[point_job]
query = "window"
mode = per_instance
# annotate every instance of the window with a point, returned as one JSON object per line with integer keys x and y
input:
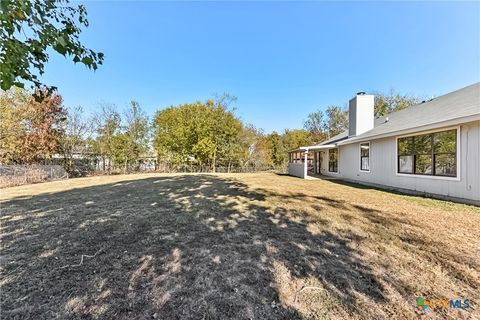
{"x": 333, "y": 160}
{"x": 365, "y": 156}
{"x": 423, "y": 154}
{"x": 429, "y": 154}
{"x": 445, "y": 153}
{"x": 405, "y": 155}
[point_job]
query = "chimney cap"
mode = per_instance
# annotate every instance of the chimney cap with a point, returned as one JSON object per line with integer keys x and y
{"x": 361, "y": 93}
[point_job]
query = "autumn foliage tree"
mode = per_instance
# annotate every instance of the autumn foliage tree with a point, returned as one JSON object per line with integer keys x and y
{"x": 30, "y": 130}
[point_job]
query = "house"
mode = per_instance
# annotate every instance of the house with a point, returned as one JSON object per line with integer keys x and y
{"x": 432, "y": 148}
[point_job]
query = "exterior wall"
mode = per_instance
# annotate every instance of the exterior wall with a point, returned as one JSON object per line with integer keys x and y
{"x": 383, "y": 167}
{"x": 324, "y": 164}
{"x": 297, "y": 170}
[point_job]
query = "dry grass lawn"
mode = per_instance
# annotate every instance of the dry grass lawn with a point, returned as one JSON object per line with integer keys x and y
{"x": 245, "y": 246}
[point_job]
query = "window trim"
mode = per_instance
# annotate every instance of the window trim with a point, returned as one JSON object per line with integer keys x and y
{"x": 360, "y": 156}
{"x": 328, "y": 162}
{"x": 426, "y": 176}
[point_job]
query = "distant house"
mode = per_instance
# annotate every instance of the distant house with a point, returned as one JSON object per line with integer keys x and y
{"x": 431, "y": 148}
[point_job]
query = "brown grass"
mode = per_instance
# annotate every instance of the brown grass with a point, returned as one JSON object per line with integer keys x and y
{"x": 245, "y": 246}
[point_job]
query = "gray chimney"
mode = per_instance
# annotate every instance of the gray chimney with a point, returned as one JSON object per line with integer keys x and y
{"x": 360, "y": 114}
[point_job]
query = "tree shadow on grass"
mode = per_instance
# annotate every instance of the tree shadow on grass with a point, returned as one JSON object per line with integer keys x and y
{"x": 182, "y": 247}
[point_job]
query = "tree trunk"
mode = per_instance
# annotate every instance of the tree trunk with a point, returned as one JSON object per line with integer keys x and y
{"x": 214, "y": 160}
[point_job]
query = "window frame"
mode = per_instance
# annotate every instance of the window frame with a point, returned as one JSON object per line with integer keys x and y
{"x": 360, "y": 155}
{"x": 430, "y": 176}
{"x": 336, "y": 162}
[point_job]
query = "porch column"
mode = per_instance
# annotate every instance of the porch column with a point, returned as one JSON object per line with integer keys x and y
{"x": 305, "y": 165}
{"x": 315, "y": 169}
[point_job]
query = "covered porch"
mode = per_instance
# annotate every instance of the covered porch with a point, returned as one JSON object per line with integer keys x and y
{"x": 307, "y": 162}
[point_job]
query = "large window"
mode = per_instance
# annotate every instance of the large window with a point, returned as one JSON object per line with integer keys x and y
{"x": 333, "y": 160}
{"x": 365, "y": 156}
{"x": 429, "y": 154}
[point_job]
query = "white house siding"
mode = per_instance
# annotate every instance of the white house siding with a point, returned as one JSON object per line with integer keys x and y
{"x": 297, "y": 169}
{"x": 383, "y": 167}
{"x": 324, "y": 164}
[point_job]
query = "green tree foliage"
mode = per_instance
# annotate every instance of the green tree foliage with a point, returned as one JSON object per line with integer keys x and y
{"x": 325, "y": 125}
{"x": 12, "y": 133}
{"x": 29, "y": 28}
{"x": 107, "y": 124}
{"x": 128, "y": 145}
{"x": 315, "y": 124}
{"x": 199, "y": 133}
{"x": 279, "y": 145}
{"x": 293, "y": 139}
{"x": 393, "y": 101}
{"x": 30, "y": 131}
{"x": 122, "y": 153}
{"x": 337, "y": 120}
{"x": 277, "y": 151}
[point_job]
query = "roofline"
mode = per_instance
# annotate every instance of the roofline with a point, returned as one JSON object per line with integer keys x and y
{"x": 474, "y": 117}
{"x": 330, "y": 141}
{"x": 316, "y": 147}
{"x": 442, "y": 96}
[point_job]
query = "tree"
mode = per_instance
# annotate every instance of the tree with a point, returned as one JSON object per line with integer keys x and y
{"x": 393, "y": 101}
{"x": 175, "y": 135}
{"x": 225, "y": 131}
{"x": 293, "y": 139}
{"x": 134, "y": 140}
{"x": 106, "y": 124}
{"x": 253, "y": 147}
{"x": 121, "y": 150}
{"x": 278, "y": 145}
{"x": 75, "y": 138}
{"x": 31, "y": 130}
{"x": 315, "y": 124}
{"x": 43, "y": 122}
{"x": 337, "y": 120}
{"x": 12, "y": 132}
{"x": 277, "y": 152}
{"x": 206, "y": 134}
{"x": 325, "y": 125}
{"x": 30, "y": 28}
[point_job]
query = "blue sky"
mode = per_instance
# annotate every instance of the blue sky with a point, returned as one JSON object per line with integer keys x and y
{"x": 281, "y": 59}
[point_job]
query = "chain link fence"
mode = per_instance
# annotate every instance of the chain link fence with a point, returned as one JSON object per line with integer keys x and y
{"x": 15, "y": 175}
{"x": 218, "y": 169}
